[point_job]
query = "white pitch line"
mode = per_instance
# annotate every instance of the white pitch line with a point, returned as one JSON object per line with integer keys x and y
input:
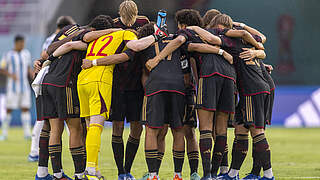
{"x": 299, "y": 177}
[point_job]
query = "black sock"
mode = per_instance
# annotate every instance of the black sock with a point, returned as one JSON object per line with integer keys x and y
{"x": 218, "y": 151}
{"x": 193, "y": 157}
{"x": 256, "y": 167}
{"x": 224, "y": 161}
{"x": 131, "y": 151}
{"x": 178, "y": 158}
{"x": 117, "y": 147}
{"x": 151, "y": 159}
{"x": 55, "y": 156}
{"x": 261, "y": 146}
{"x": 205, "y": 150}
{"x": 44, "y": 148}
{"x": 78, "y": 159}
{"x": 159, "y": 160}
{"x": 240, "y": 149}
{"x": 84, "y": 156}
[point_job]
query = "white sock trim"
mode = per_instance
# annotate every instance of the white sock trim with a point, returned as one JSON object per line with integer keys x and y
{"x": 268, "y": 173}
{"x": 42, "y": 171}
{"x": 233, "y": 173}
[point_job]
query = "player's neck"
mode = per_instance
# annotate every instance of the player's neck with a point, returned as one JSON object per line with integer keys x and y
{"x": 129, "y": 23}
{"x": 17, "y": 50}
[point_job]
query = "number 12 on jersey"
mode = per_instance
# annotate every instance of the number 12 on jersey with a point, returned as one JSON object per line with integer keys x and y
{"x": 97, "y": 50}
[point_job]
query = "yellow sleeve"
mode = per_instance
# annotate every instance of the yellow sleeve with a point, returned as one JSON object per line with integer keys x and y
{"x": 128, "y": 35}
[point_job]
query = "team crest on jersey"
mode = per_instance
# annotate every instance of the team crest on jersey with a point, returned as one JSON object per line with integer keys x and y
{"x": 184, "y": 64}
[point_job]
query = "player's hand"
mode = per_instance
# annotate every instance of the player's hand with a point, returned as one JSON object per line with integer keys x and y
{"x": 191, "y": 27}
{"x": 151, "y": 63}
{"x": 247, "y": 54}
{"x": 228, "y": 57}
{"x": 37, "y": 65}
{"x": 269, "y": 68}
{"x": 86, "y": 64}
{"x": 260, "y": 46}
{"x": 160, "y": 32}
{"x": 236, "y": 23}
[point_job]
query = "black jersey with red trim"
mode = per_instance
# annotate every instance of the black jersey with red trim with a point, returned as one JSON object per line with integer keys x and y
{"x": 168, "y": 75}
{"x": 63, "y": 71}
{"x": 250, "y": 79}
{"x": 209, "y": 64}
{"x": 127, "y": 75}
{"x": 266, "y": 74}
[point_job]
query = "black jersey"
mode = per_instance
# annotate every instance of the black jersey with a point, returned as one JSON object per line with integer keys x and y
{"x": 267, "y": 75}
{"x": 208, "y": 64}
{"x": 250, "y": 79}
{"x": 127, "y": 75}
{"x": 168, "y": 75}
{"x": 192, "y": 37}
{"x": 63, "y": 71}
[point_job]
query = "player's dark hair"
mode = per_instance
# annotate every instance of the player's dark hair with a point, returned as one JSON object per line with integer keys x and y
{"x": 189, "y": 17}
{"x": 101, "y": 22}
{"x": 221, "y": 19}
{"x": 64, "y": 21}
{"x": 210, "y": 14}
{"x": 18, "y": 37}
{"x": 146, "y": 30}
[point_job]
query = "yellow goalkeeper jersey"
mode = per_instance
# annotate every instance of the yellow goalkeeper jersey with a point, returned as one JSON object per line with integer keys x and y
{"x": 110, "y": 44}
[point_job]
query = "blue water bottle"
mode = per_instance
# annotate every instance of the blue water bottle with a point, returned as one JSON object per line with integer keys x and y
{"x": 162, "y": 18}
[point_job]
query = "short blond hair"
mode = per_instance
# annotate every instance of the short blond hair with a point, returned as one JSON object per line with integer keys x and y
{"x": 128, "y": 10}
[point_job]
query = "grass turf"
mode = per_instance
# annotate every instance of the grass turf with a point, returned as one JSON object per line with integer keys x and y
{"x": 295, "y": 155}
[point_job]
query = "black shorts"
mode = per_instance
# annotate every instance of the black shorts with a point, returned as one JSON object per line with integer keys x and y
{"x": 126, "y": 105}
{"x": 163, "y": 108}
{"x": 271, "y": 101}
{"x": 39, "y": 107}
{"x": 216, "y": 93}
{"x": 252, "y": 111}
{"x": 59, "y": 102}
{"x": 190, "y": 117}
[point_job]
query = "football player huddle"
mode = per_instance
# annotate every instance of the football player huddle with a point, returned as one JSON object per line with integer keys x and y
{"x": 209, "y": 74}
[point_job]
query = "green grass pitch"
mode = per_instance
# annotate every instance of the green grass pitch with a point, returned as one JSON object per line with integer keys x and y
{"x": 295, "y": 155}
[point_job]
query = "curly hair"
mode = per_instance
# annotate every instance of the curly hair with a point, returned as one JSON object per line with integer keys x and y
{"x": 210, "y": 14}
{"x": 189, "y": 17}
{"x": 146, "y": 30}
{"x": 101, "y": 22}
{"x": 221, "y": 19}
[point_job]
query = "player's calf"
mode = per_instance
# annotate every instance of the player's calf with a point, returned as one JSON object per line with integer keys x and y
{"x": 192, "y": 151}
{"x": 205, "y": 144}
{"x": 262, "y": 153}
{"x": 151, "y": 151}
{"x": 132, "y": 145}
{"x": 178, "y": 152}
{"x": 220, "y": 141}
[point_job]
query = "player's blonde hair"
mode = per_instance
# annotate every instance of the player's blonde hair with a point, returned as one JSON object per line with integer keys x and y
{"x": 221, "y": 19}
{"x": 210, "y": 14}
{"x": 128, "y": 11}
